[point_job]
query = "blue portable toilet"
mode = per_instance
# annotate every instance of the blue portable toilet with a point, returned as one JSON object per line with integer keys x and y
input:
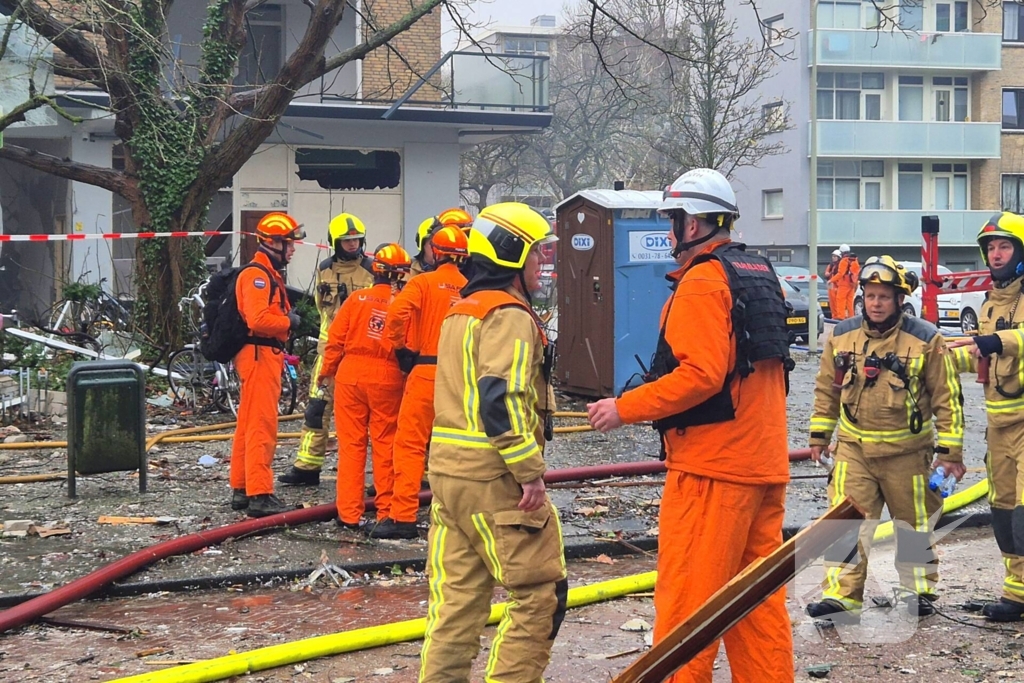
{"x": 613, "y": 256}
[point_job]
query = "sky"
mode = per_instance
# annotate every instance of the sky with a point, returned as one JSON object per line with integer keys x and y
{"x": 505, "y": 13}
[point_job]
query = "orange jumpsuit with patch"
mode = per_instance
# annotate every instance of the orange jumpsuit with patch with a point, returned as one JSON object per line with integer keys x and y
{"x": 725, "y": 480}
{"x": 414, "y": 323}
{"x": 264, "y": 307}
{"x": 367, "y": 396}
{"x": 846, "y": 281}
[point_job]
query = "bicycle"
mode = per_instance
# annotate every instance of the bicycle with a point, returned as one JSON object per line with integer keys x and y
{"x": 88, "y": 309}
{"x": 199, "y": 382}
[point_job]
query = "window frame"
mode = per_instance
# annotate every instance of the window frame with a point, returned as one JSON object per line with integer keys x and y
{"x": 1019, "y": 101}
{"x": 774, "y": 35}
{"x": 1019, "y": 9}
{"x": 1019, "y": 177}
{"x": 765, "y": 194}
{"x": 247, "y": 24}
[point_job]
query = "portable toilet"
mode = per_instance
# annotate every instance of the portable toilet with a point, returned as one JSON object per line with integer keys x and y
{"x": 613, "y": 256}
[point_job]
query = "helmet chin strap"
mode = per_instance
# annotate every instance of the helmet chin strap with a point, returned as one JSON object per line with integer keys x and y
{"x": 681, "y": 246}
{"x": 276, "y": 256}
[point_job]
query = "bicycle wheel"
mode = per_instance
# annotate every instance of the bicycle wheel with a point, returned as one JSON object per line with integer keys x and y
{"x": 191, "y": 377}
{"x": 69, "y": 316}
{"x": 289, "y": 392}
{"x": 228, "y": 388}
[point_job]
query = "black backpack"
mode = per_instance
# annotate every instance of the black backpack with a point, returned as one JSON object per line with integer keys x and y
{"x": 224, "y": 333}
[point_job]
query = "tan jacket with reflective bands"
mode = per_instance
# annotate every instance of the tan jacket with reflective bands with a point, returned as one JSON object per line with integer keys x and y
{"x": 335, "y": 280}
{"x": 879, "y": 414}
{"x": 491, "y": 396}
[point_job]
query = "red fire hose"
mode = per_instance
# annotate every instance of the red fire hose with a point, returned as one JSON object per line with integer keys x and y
{"x": 128, "y": 565}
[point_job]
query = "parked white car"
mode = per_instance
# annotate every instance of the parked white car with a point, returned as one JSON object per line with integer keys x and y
{"x": 949, "y": 304}
{"x": 970, "y": 309}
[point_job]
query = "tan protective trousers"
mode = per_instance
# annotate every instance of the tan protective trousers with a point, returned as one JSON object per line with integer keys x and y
{"x": 313, "y": 439}
{"x": 478, "y": 538}
{"x": 1005, "y": 464}
{"x": 900, "y": 483}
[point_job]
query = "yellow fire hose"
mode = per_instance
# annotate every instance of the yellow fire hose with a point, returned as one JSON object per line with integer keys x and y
{"x": 361, "y": 639}
{"x": 414, "y": 629}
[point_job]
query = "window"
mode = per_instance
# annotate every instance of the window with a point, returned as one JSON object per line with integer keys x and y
{"x": 910, "y": 187}
{"x": 773, "y": 203}
{"x": 945, "y": 10}
{"x": 263, "y": 54}
{"x": 1013, "y": 109}
{"x": 774, "y": 30}
{"x": 950, "y": 98}
{"x": 1013, "y": 193}
{"x": 838, "y": 96}
{"x": 911, "y": 98}
{"x": 950, "y": 183}
{"x": 774, "y": 116}
{"x": 1013, "y": 22}
{"x": 543, "y": 46}
{"x": 839, "y": 14}
{"x": 523, "y": 46}
{"x": 349, "y": 169}
{"x": 780, "y": 255}
{"x": 847, "y": 184}
{"x": 912, "y": 15}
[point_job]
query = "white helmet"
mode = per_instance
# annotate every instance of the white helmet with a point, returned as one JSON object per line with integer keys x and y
{"x": 844, "y": 248}
{"x": 700, "y": 191}
{"x": 836, "y": 252}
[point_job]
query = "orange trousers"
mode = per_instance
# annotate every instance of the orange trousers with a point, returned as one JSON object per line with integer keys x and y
{"x": 252, "y": 451}
{"x": 415, "y": 420}
{"x": 697, "y": 513}
{"x": 361, "y": 409}
{"x": 844, "y": 301}
{"x": 833, "y": 303}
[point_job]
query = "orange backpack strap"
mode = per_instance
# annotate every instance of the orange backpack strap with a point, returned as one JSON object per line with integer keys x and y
{"x": 479, "y": 304}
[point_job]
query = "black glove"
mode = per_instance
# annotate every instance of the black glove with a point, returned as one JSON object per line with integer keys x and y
{"x": 294, "y": 320}
{"x": 406, "y": 359}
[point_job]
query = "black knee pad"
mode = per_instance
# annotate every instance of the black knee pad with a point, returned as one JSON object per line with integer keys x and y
{"x": 1018, "y": 529}
{"x": 914, "y": 547}
{"x": 315, "y": 413}
{"x": 1002, "y": 529}
{"x": 562, "y": 595}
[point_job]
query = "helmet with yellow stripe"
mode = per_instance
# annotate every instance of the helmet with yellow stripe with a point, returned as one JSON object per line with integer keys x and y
{"x": 503, "y": 234}
{"x": 391, "y": 261}
{"x": 345, "y": 227}
{"x": 278, "y": 227}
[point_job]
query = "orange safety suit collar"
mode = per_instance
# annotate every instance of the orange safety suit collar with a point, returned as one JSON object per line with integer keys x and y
{"x": 676, "y": 275}
{"x": 480, "y": 303}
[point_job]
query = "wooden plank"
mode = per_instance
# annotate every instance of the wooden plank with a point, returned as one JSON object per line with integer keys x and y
{"x": 737, "y": 599}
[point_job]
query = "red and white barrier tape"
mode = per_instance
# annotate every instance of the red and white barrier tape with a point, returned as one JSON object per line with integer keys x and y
{"x": 799, "y": 278}
{"x": 81, "y": 236}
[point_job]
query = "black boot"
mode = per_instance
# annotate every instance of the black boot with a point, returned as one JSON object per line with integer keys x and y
{"x": 349, "y": 527}
{"x": 239, "y": 501}
{"x": 389, "y": 528}
{"x": 300, "y": 477}
{"x": 831, "y": 610}
{"x": 920, "y": 606}
{"x": 1004, "y": 610}
{"x": 266, "y": 505}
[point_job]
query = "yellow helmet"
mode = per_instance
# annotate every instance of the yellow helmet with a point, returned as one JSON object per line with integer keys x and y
{"x": 885, "y": 270}
{"x": 1006, "y": 225}
{"x": 423, "y": 232}
{"x": 345, "y": 226}
{"x": 504, "y": 234}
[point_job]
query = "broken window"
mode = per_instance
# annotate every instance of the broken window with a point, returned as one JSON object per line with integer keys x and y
{"x": 349, "y": 169}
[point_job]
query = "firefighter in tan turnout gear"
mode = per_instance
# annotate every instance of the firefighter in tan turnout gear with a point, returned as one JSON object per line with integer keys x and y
{"x": 1000, "y": 346}
{"x": 884, "y": 378}
{"x": 347, "y": 270}
{"x": 491, "y": 520}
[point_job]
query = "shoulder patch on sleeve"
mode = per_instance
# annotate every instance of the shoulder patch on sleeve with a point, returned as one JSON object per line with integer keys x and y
{"x": 259, "y": 283}
{"x": 922, "y": 329}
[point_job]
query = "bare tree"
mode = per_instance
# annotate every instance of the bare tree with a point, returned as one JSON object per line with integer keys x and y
{"x": 490, "y": 165}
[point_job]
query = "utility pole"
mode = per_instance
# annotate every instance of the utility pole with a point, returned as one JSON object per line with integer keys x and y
{"x": 812, "y": 218}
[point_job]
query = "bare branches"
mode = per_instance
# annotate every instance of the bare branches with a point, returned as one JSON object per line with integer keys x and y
{"x": 107, "y": 178}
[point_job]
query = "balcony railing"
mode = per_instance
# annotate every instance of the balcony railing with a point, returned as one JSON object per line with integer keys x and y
{"x": 909, "y": 139}
{"x": 932, "y": 51}
{"x": 897, "y": 228}
{"x": 482, "y": 81}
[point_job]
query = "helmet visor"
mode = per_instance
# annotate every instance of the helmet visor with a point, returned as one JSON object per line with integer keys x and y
{"x": 880, "y": 273}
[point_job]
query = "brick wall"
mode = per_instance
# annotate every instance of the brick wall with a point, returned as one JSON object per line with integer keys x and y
{"x": 385, "y": 76}
{"x": 987, "y": 105}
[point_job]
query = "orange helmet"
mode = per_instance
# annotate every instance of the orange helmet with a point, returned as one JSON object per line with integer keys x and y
{"x": 391, "y": 260}
{"x": 279, "y": 227}
{"x": 456, "y": 218}
{"x": 449, "y": 242}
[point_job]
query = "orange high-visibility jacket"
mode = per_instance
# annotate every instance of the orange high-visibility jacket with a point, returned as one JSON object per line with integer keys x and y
{"x": 356, "y": 350}
{"x": 263, "y": 316}
{"x": 414, "y": 319}
{"x": 753, "y": 448}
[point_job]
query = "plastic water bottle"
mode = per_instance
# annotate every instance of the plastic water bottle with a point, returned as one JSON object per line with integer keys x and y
{"x": 942, "y": 483}
{"x": 826, "y": 460}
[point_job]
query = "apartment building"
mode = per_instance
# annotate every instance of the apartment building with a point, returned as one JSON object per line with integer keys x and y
{"x": 371, "y": 138}
{"x": 910, "y": 121}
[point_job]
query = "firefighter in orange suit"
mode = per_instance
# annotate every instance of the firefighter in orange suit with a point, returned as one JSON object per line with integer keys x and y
{"x": 721, "y": 411}
{"x": 413, "y": 327}
{"x": 368, "y": 387}
{"x": 264, "y": 307}
{"x": 491, "y": 520}
{"x": 846, "y": 280}
{"x": 830, "y": 271}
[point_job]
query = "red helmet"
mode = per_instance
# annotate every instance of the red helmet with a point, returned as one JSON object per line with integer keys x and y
{"x": 279, "y": 227}
{"x": 449, "y": 242}
{"x": 391, "y": 260}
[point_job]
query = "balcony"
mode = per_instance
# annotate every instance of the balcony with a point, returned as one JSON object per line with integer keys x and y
{"x": 909, "y": 139}
{"x": 871, "y": 49}
{"x": 897, "y": 228}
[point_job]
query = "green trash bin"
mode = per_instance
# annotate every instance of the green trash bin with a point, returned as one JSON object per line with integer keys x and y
{"x": 106, "y": 419}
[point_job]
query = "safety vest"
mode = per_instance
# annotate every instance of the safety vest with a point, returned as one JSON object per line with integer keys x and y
{"x": 759, "y": 329}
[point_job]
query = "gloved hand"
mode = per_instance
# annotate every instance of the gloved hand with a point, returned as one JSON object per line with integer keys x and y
{"x": 294, "y": 321}
{"x": 406, "y": 359}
